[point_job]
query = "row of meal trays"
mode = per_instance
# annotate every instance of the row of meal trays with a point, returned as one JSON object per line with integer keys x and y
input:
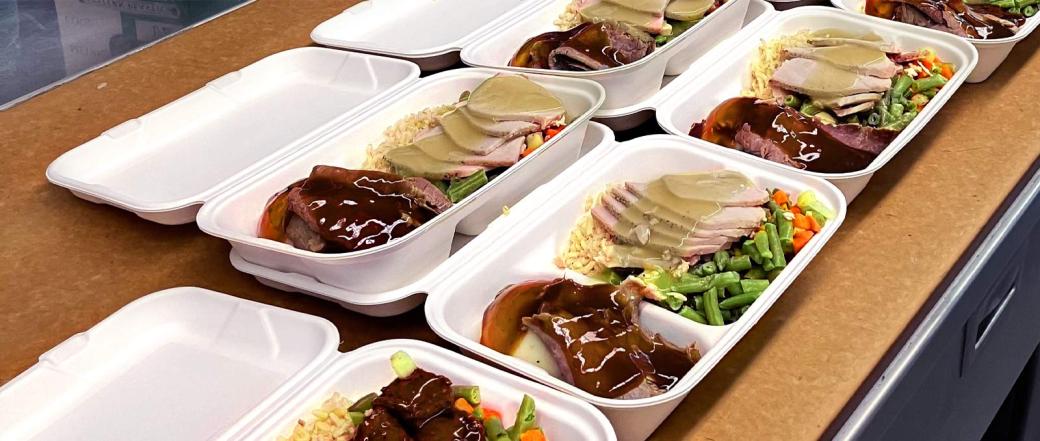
{"x": 216, "y": 156}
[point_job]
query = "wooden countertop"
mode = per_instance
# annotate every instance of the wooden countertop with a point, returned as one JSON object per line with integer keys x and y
{"x": 65, "y": 264}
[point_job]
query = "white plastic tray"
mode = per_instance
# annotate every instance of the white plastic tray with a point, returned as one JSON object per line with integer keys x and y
{"x": 394, "y": 301}
{"x": 427, "y": 32}
{"x": 626, "y": 85}
{"x": 624, "y": 118}
{"x": 722, "y": 73}
{"x": 193, "y": 364}
{"x": 522, "y": 246}
{"x": 233, "y": 215}
{"x": 164, "y": 165}
{"x": 991, "y": 52}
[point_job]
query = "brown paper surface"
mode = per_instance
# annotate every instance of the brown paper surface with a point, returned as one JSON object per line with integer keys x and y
{"x": 65, "y": 264}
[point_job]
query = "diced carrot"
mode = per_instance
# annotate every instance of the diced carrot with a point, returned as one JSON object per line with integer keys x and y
{"x": 528, "y": 151}
{"x": 814, "y": 225}
{"x": 463, "y": 405}
{"x": 551, "y": 132}
{"x": 796, "y": 210}
{"x": 802, "y": 221}
{"x": 488, "y": 413}
{"x": 801, "y": 238}
{"x": 780, "y": 197}
{"x": 926, "y": 64}
{"x": 533, "y": 435}
{"x": 947, "y": 71}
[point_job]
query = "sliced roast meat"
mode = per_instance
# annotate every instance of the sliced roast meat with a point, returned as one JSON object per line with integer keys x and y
{"x": 745, "y": 195}
{"x": 358, "y": 209}
{"x": 380, "y": 425}
{"x": 452, "y": 426}
{"x": 642, "y": 14}
{"x": 479, "y": 140}
{"x": 862, "y": 138}
{"x": 442, "y": 148}
{"x": 602, "y": 46}
{"x": 861, "y": 107}
{"x": 906, "y": 57}
{"x": 823, "y": 80}
{"x": 758, "y": 145}
{"x": 410, "y": 160}
{"x": 853, "y": 58}
{"x": 501, "y": 129}
{"x": 822, "y": 41}
{"x": 416, "y": 398}
{"x": 515, "y": 98}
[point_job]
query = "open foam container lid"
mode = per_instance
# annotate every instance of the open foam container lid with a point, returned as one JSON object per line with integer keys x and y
{"x": 165, "y": 164}
{"x": 191, "y": 364}
{"x": 391, "y": 27}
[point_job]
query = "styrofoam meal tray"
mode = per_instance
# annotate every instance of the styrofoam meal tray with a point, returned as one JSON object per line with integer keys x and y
{"x": 522, "y": 247}
{"x": 427, "y": 32}
{"x": 625, "y": 85}
{"x": 192, "y": 364}
{"x": 394, "y": 301}
{"x": 991, "y": 52}
{"x": 233, "y": 215}
{"x": 624, "y": 118}
{"x": 723, "y": 75}
{"x": 165, "y": 164}
{"x": 179, "y": 364}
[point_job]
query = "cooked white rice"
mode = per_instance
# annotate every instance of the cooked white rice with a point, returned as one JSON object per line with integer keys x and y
{"x": 401, "y": 133}
{"x": 569, "y": 18}
{"x": 588, "y": 244}
{"x": 330, "y": 422}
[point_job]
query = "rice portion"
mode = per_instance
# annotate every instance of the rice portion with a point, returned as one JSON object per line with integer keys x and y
{"x": 330, "y": 422}
{"x": 588, "y": 244}
{"x": 569, "y": 18}
{"x": 768, "y": 58}
{"x": 401, "y": 133}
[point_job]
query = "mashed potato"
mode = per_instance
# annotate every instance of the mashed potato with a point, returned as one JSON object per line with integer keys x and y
{"x": 768, "y": 59}
{"x": 401, "y": 133}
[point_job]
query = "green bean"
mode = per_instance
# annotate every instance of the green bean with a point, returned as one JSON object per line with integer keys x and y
{"x": 470, "y": 393}
{"x": 690, "y": 283}
{"x": 899, "y": 86}
{"x": 525, "y": 418}
{"x": 356, "y": 417}
{"x": 402, "y": 364}
{"x": 721, "y": 259}
{"x": 896, "y": 110}
{"x": 692, "y": 314}
{"x": 458, "y": 190}
{"x": 733, "y": 289}
{"x": 752, "y": 285}
{"x": 750, "y": 249}
{"x": 706, "y": 269}
{"x": 792, "y": 101}
{"x": 612, "y": 277}
{"x": 478, "y": 413}
{"x": 441, "y": 185}
{"x": 363, "y": 404}
{"x": 762, "y": 245}
{"x": 808, "y": 109}
{"x": 739, "y": 263}
{"x": 755, "y": 274}
{"x": 874, "y": 119}
{"x": 661, "y": 39}
{"x": 774, "y": 246}
{"x": 928, "y": 83}
{"x": 698, "y": 304}
{"x": 767, "y": 264}
{"x": 1029, "y": 11}
{"x": 722, "y": 280}
{"x": 712, "y": 313}
{"x": 930, "y": 93}
{"x": 826, "y": 118}
{"x": 727, "y": 316}
{"x": 739, "y": 301}
{"x": 494, "y": 429}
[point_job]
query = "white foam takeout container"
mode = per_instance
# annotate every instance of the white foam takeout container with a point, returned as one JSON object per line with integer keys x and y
{"x": 165, "y": 164}
{"x": 625, "y": 85}
{"x": 624, "y": 118}
{"x": 991, "y": 52}
{"x": 236, "y": 142}
{"x": 523, "y": 245}
{"x": 427, "y": 32}
{"x": 394, "y": 301}
{"x": 233, "y": 215}
{"x": 192, "y": 364}
{"x": 723, "y": 73}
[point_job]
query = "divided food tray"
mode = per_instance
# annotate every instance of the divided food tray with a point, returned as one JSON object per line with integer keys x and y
{"x": 165, "y": 164}
{"x": 723, "y": 72}
{"x": 233, "y": 215}
{"x": 624, "y": 118}
{"x": 523, "y": 245}
{"x": 394, "y": 27}
{"x": 992, "y": 52}
{"x": 626, "y": 85}
{"x": 191, "y": 364}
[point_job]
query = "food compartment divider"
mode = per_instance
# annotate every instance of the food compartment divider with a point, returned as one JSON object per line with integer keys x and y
{"x": 390, "y": 27}
{"x": 523, "y": 247}
{"x": 399, "y": 300}
{"x": 163, "y": 165}
{"x": 233, "y": 214}
{"x": 992, "y": 53}
{"x": 697, "y": 92}
{"x": 626, "y": 85}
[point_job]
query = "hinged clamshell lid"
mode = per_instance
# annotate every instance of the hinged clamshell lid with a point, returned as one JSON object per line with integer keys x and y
{"x": 180, "y": 364}
{"x": 165, "y": 164}
{"x": 416, "y": 29}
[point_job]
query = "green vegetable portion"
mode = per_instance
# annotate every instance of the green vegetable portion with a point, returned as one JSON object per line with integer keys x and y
{"x": 458, "y": 190}
{"x": 402, "y": 364}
